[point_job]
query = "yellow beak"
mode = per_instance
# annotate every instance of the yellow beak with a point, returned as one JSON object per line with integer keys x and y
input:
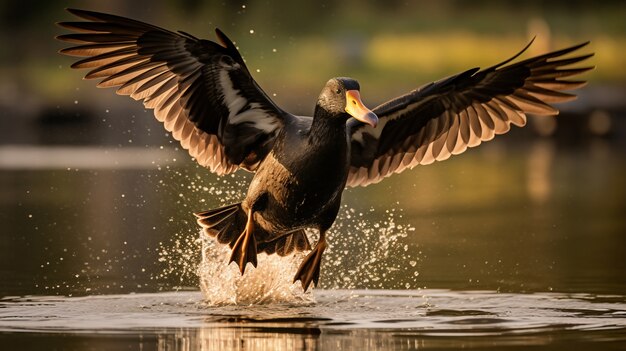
{"x": 356, "y": 109}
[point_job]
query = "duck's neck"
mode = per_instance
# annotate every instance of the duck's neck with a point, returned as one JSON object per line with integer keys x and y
{"x": 327, "y": 153}
{"x": 326, "y": 129}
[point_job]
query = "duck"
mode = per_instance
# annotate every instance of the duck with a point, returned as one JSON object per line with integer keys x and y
{"x": 206, "y": 97}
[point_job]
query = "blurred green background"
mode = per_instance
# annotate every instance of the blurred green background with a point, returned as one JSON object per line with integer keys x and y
{"x": 96, "y": 197}
{"x": 294, "y": 47}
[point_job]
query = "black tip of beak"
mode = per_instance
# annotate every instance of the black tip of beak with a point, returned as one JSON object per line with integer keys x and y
{"x": 371, "y": 119}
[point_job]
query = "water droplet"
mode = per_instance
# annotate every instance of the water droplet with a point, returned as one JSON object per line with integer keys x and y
{"x": 251, "y": 31}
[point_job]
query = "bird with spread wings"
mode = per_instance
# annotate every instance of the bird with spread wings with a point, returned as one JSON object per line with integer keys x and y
{"x": 206, "y": 97}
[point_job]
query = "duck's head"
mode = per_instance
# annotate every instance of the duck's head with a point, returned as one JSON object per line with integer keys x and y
{"x": 341, "y": 99}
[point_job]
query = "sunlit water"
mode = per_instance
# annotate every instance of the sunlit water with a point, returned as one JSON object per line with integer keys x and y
{"x": 489, "y": 250}
{"x": 264, "y": 310}
{"x": 374, "y": 319}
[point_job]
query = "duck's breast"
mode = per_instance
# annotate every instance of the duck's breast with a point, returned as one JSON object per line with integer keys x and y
{"x": 301, "y": 181}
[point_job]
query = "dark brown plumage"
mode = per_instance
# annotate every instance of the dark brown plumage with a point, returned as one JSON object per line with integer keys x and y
{"x": 206, "y": 97}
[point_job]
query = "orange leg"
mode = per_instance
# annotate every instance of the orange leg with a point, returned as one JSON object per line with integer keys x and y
{"x": 244, "y": 250}
{"x": 309, "y": 270}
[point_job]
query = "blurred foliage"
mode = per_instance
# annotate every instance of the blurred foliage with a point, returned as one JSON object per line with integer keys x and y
{"x": 294, "y": 47}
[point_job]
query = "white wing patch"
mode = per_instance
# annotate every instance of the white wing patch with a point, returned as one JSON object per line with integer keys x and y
{"x": 177, "y": 74}
{"x": 235, "y": 103}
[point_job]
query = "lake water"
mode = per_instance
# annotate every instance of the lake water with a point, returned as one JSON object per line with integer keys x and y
{"x": 335, "y": 320}
{"x": 503, "y": 247}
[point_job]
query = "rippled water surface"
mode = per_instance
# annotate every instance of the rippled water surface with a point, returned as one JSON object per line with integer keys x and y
{"x": 363, "y": 319}
{"x": 500, "y": 248}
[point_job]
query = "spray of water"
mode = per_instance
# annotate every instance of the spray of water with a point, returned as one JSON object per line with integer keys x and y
{"x": 271, "y": 282}
{"x": 368, "y": 249}
{"x": 373, "y": 256}
{"x": 190, "y": 257}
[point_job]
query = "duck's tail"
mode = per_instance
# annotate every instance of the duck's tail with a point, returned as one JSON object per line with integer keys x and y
{"x": 227, "y": 223}
{"x": 224, "y": 223}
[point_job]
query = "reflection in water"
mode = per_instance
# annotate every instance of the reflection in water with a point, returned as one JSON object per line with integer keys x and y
{"x": 268, "y": 338}
{"x": 312, "y": 339}
{"x": 544, "y": 126}
{"x": 355, "y": 320}
{"x": 84, "y": 157}
{"x": 405, "y": 320}
{"x": 460, "y": 224}
{"x": 600, "y": 122}
{"x": 540, "y": 160}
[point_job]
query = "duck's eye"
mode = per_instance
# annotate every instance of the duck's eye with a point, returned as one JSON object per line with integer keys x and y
{"x": 338, "y": 91}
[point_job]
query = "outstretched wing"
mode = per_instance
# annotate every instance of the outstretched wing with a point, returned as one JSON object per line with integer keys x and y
{"x": 202, "y": 91}
{"x": 448, "y": 116}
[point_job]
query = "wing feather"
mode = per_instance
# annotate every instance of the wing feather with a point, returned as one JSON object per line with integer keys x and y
{"x": 447, "y": 117}
{"x": 202, "y": 91}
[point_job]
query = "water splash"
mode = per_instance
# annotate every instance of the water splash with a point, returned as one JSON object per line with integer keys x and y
{"x": 271, "y": 282}
{"x": 179, "y": 257}
{"x": 221, "y": 283}
{"x": 369, "y": 250}
{"x": 378, "y": 259}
